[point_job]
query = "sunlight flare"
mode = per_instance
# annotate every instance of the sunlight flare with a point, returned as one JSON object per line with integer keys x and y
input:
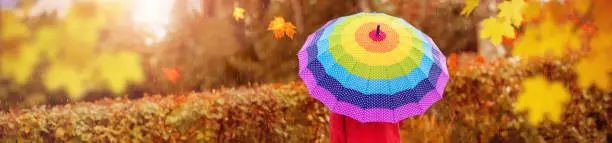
{"x": 153, "y": 15}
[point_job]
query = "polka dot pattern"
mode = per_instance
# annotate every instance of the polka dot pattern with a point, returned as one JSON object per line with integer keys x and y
{"x": 380, "y": 79}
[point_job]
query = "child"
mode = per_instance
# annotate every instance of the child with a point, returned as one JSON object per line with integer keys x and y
{"x": 344, "y": 129}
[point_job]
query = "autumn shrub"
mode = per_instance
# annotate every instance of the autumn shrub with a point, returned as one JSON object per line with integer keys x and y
{"x": 478, "y": 106}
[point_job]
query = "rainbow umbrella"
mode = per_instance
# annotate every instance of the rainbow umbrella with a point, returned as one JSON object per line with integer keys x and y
{"x": 373, "y": 67}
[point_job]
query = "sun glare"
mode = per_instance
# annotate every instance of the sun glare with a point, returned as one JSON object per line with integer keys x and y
{"x": 153, "y": 15}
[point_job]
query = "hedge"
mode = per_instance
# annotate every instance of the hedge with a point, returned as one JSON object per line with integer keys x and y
{"x": 477, "y": 107}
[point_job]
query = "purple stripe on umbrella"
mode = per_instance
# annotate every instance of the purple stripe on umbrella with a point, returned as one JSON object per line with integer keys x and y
{"x": 369, "y": 115}
{"x": 442, "y": 58}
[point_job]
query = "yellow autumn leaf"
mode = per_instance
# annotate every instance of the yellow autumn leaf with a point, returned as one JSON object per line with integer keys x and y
{"x": 600, "y": 44}
{"x": 470, "y": 5}
{"x": 532, "y": 10}
{"x": 11, "y": 27}
{"x": 19, "y": 64}
{"x": 542, "y": 99}
{"x": 289, "y": 29}
{"x": 238, "y": 13}
{"x": 62, "y": 76}
{"x": 46, "y": 40}
{"x": 82, "y": 26}
{"x": 495, "y": 29}
{"x": 512, "y": 10}
{"x": 278, "y": 27}
{"x": 594, "y": 69}
{"x": 581, "y": 6}
{"x": 547, "y": 37}
{"x": 117, "y": 70}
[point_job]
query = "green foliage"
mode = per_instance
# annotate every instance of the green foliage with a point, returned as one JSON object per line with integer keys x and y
{"x": 477, "y": 106}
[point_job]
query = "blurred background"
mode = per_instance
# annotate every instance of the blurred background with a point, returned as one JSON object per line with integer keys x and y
{"x": 203, "y": 41}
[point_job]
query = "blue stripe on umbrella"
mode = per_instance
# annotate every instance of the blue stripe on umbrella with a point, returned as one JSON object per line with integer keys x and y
{"x": 367, "y": 101}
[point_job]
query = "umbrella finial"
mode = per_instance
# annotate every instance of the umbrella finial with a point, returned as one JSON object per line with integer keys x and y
{"x": 378, "y": 30}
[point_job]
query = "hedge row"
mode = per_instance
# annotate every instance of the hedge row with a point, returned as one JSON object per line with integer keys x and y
{"x": 477, "y": 107}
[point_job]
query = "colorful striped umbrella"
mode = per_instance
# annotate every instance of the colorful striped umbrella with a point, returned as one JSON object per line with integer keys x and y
{"x": 373, "y": 67}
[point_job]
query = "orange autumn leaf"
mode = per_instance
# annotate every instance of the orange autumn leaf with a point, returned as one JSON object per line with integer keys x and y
{"x": 289, "y": 29}
{"x": 172, "y": 74}
{"x": 510, "y": 40}
{"x": 279, "y": 27}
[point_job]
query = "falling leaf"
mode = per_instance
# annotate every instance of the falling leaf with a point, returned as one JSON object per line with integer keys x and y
{"x": 61, "y": 75}
{"x": 512, "y": 10}
{"x": 280, "y": 28}
{"x": 470, "y": 5}
{"x": 581, "y": 6}
{"x": 510, "y": 41}
{"x": 495, "y": 29}
{"x": 70, "y": 65}
{"x": 594, "y": 69}
{"x": 289, "y": 29}
{"x": 532, "y": 10}
{"x": 547, "y": 37}
{"x": 20, "y": 63}
{"x": 47, "y": 41}
{"x": 11, "y": 26}
{"x": 119, "y": 69}
{"x": 82, "y": 26}
{"x": 238, "y": 13}
{"x": 172, "y": 74}
{"x": 600, "y": 44}
{"x": 542, "y": 99}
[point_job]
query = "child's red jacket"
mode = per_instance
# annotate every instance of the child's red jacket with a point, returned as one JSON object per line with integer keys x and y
{"x": 344, "y": 129}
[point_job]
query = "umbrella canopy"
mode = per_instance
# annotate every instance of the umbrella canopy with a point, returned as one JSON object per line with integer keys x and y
{"x": 373, "y": 67}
